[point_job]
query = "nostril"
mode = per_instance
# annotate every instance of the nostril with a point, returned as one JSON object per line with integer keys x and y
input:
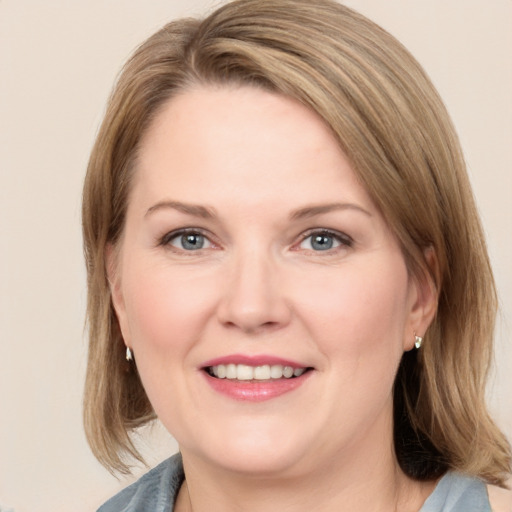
{"x": 253, "y": 327}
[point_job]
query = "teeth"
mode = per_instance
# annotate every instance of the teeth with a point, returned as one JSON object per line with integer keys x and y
{"x": 288, "y": 372}
{"x": 262, "y": 372}
{"x": 245, "y": 372}
{"x": 276, "y": 371}
{"x": 231, "y": 372}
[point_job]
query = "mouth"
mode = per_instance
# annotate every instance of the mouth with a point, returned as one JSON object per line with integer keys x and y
{"x": 255, "y": 379}
{"x": 244, "y": 372}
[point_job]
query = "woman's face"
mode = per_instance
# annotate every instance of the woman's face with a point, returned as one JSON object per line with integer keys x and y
{"x": 251, "y": 252}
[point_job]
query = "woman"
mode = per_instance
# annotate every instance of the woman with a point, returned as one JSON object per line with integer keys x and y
{"x": 286, "y": 266}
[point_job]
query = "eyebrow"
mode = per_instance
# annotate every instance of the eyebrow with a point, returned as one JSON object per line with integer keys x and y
{"x": 208, "y": 213}
{"x": 311, "y": 211}
{"x": 190, "y": 209}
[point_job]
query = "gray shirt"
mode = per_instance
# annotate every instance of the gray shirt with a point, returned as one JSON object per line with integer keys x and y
{"x": 156, "y": 491}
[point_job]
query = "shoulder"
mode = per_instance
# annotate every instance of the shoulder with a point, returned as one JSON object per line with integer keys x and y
{"x": 155, "y": 491}
{"x": 458, "y": 493}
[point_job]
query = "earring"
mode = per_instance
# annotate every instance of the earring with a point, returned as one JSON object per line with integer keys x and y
{"x": 129, "y": 355}
{"x": 418, "y": 340}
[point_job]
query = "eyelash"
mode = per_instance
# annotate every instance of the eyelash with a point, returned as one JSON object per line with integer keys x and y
{"x": 166, "y": 240}
{"x": 342, "y": 239}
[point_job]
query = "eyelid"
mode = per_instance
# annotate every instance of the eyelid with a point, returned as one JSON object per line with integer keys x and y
{"x": 344, "y": 239}
{"x": 165, "y": 240}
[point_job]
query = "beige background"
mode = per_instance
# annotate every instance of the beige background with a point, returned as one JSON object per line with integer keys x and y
{"x": 58, "y": 60}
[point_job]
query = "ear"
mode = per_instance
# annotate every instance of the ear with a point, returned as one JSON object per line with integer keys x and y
{"x": 114, "y": 281}
{"x": 424, "y": 299}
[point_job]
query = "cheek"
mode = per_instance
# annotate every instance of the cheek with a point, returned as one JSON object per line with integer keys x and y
{"x": 357, "y": 323}
{"x": 360, "y": 310}
{"x": 163, "y": 308}
{"x": 165, "y": 311}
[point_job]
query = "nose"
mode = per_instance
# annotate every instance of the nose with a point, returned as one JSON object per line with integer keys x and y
{"x": 254, "y": 298}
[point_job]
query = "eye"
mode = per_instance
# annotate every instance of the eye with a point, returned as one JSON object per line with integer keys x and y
{"x": 324, "y": 241}
{"x": 187, "y": 240}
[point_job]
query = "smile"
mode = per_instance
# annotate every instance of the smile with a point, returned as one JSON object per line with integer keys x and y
{"x": 243, "y": 372}
{"x": 256, "y": 378}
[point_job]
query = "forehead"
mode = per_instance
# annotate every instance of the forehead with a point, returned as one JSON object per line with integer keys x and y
{"x": 234, "y": 116}
{"x": 244, "y": 138}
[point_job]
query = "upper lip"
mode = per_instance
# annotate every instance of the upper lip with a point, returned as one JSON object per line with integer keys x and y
{"x": 253, "y": 360}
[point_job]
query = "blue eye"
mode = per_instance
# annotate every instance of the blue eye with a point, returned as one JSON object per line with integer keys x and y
{"x": 187, "y": 241}
{"x": 324, "y": 241}
{"x": 192, "y": 241}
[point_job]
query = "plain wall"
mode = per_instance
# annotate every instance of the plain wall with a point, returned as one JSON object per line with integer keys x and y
{"x": 58, "y": 60}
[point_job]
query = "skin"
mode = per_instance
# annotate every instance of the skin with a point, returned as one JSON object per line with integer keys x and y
{"x": 259, "y": 165}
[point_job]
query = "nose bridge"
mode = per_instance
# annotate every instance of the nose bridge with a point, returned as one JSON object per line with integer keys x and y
{"x": 253, "y": 298}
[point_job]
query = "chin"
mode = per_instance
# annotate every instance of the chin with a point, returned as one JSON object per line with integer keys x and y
{"x": 261, "y": 453}
{"x": 271, "y": 464}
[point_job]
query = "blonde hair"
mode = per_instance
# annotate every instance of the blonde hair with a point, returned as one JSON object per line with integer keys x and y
{"x": 393, "y": 127}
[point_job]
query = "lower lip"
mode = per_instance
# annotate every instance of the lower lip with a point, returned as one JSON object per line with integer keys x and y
{"x": 253, "y": 390}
